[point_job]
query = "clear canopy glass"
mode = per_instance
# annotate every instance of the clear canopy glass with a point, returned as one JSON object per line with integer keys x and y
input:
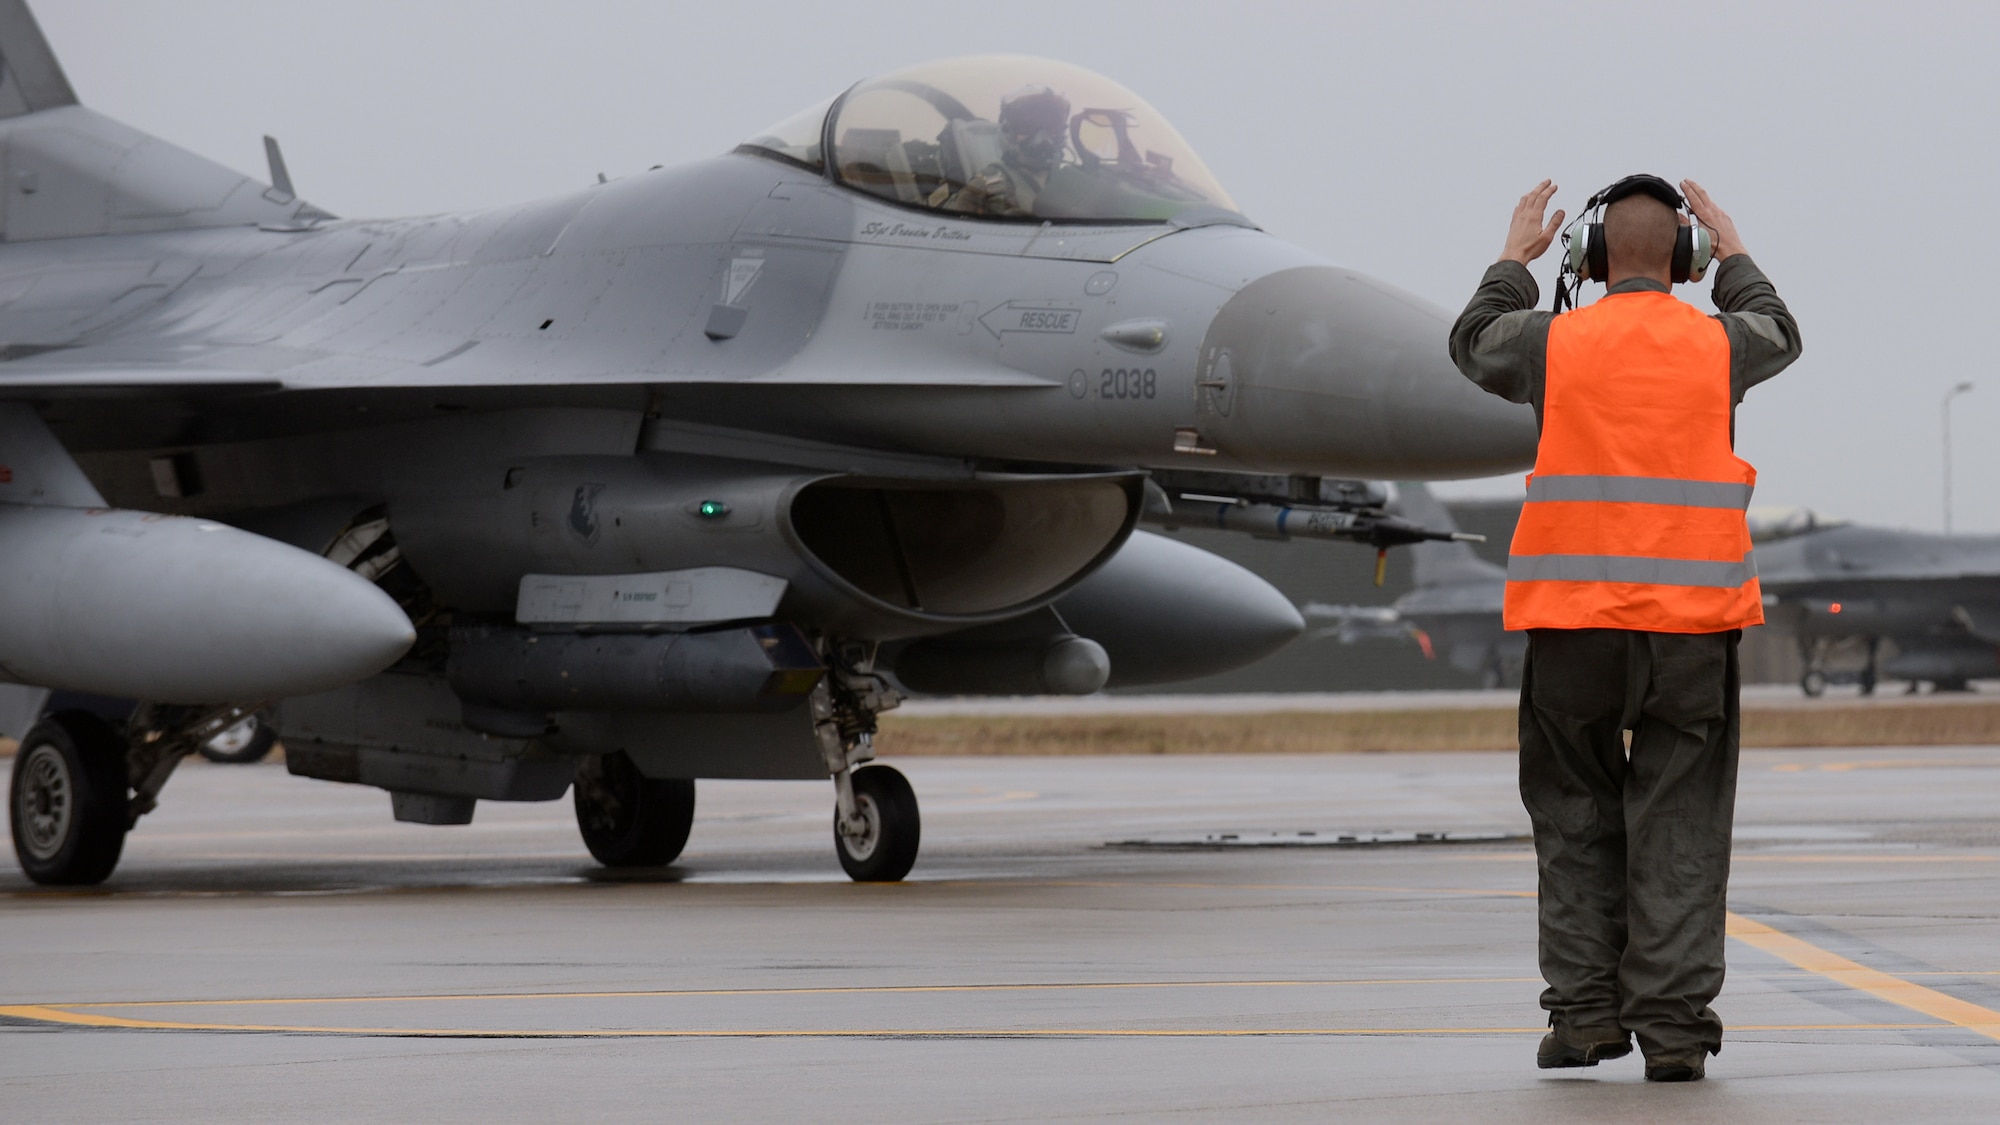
{"x": 1007, "y": 136}
{"x": 1768, "y": 525}
{"x": 797, "y": 137}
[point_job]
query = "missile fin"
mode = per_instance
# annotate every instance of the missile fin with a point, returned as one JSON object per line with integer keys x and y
{"x": 35, "y": 469}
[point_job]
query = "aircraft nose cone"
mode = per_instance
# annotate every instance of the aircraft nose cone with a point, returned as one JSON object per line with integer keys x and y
{"x": 1324, "y": 367}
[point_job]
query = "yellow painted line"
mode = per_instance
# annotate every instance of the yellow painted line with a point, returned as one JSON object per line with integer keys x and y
{"x": 1908, "y": 764}
{"x": 1887, "y": 764}
{"x": 47, "y": 1014}
{"x": 856, "y": 990}
{"x": 693, "y": 880}
{"x": 50, "y": 1014}
{"x": 1835, "y": 857}
{"x": 837, "y": 990}
{"x": 1874, "y": 982}
{"x": 1107, "y": 884}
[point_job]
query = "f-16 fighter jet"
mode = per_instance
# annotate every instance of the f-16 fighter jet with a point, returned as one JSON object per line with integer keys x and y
{"x": 689, "y": 474}
{"x": 1935, "y": 598}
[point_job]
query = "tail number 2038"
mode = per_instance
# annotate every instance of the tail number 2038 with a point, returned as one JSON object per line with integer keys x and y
{"x": 1128, "y": 382}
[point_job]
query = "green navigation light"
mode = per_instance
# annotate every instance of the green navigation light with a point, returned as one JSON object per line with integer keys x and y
{"x": 712, "y": 509}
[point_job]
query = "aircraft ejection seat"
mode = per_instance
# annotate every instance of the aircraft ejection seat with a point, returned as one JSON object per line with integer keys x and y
{"x": 875, "y": 157}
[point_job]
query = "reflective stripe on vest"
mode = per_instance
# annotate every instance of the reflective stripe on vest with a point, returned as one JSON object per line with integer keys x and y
{"x": 1627, "y": 568}
{"x": 1634, "y": 514}
{"x": 1641, "y": 490}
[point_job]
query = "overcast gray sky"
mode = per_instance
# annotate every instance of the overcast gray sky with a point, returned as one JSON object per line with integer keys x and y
{"x": 1855, "y": 144}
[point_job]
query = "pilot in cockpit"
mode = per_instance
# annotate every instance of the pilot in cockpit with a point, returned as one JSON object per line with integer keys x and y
{"x": 1034, "y": 127}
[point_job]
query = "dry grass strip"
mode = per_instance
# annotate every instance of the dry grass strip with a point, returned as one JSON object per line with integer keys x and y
{"x": 1878, "y": 723}
{"x": 1284, "y": 732}
{"x": 1348, "y": 732}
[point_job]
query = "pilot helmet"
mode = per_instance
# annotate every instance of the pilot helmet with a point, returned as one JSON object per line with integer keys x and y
{"x": 1035, "y": 119}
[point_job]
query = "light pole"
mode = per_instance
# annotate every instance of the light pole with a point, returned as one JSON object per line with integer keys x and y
{"x": 1944, "y": 409}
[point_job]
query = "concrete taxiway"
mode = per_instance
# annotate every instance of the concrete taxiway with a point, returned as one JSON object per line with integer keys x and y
{"x": 274, "y": 949}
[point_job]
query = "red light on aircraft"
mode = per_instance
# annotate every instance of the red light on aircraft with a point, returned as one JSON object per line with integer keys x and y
{"x": 1834, "y": 608}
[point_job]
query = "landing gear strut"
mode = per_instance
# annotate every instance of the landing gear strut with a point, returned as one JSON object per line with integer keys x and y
{"x": 80, "y": 784}
{"x": 1812, "y": 658}
{"x": 1813, "y": 655}
{"x": 876, "y": 827}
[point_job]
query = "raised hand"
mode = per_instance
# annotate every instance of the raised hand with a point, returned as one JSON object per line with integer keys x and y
{"x": 1718, "y": 222}
{"x": 1528, "y": 237}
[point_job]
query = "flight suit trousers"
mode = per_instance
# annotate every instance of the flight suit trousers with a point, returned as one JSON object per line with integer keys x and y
{"x": 1632, "y": 845}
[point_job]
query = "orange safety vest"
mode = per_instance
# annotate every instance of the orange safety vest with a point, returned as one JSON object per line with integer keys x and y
{"x": 1634, "y": 517}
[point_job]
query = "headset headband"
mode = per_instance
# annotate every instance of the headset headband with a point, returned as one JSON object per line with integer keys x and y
{"x": 1643, "y": 183}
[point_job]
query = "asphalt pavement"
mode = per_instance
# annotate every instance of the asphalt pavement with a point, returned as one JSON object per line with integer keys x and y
{"x": 275, "y": 949}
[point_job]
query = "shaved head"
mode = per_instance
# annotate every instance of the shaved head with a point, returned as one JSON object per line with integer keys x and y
{"x": 1639, "y": 233}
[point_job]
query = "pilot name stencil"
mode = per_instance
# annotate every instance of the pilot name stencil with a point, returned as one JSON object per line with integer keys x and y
{"x": 909, "y": 230}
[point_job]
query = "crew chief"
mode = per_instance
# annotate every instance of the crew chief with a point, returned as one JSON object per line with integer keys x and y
{"x": 1631, "y": 572}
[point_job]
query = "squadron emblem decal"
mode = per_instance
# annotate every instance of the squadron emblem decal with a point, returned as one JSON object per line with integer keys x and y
{"x": 583, "y": 512}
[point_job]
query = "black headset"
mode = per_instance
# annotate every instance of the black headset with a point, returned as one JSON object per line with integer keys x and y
{"x": 1587, "y": 259}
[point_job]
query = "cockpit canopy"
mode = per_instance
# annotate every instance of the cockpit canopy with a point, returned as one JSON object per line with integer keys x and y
{"x": 1769, "y": 525}
{"x": 1003, "y": 136}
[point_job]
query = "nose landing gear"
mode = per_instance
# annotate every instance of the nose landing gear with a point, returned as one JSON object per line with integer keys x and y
{"x": 876, "y": 827}
{"x": 877, "y": 840}
{"x": 1814, "y": 657}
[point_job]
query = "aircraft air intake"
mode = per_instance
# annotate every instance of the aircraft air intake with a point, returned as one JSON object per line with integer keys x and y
{"x": 962, "y": 550}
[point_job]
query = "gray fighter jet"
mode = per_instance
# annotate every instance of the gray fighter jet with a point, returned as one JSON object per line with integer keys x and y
{"x": 682, "y": 475}
{"x": 1934, "y": 598}
{"x": 1455, "y": 608}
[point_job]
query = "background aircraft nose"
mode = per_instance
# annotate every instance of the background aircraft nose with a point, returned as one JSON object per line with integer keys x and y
{"x": 1330, "y": 368}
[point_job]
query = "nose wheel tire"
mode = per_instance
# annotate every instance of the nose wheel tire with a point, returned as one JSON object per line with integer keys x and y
{"x": 67, "y": 804}
{"x": 884, "y": 847}
{"x": 1813, "y": 683}
{"x": 246, "y": 742}
{"x": 628, "y": 819}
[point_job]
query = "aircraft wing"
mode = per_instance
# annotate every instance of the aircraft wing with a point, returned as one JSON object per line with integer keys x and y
{"x": 19, "y": 380}
{"x": 177, "y": 369}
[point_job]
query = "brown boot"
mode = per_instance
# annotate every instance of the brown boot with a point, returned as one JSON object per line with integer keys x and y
{"x": 1581, "y": 1046}
{"x": 1690, "y": 1067}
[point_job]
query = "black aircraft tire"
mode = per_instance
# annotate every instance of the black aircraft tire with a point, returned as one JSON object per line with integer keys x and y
{"x": 885, "y": 799}
{"x": 1813, "y": 684}
{"x": 67, "y": 804}
{"x": 262, "y": 738}
{"x": 628, "y": 819}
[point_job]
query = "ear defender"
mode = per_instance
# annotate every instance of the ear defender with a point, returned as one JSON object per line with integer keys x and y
{"x": 1588, "y": 259}
{"x": 1694, "y": 249}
